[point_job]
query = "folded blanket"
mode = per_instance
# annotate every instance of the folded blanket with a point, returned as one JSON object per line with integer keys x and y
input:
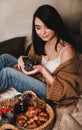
{"x": 69, "y": 118}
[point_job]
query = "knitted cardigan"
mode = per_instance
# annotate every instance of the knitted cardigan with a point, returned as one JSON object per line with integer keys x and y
{"x": 67, "y": 83}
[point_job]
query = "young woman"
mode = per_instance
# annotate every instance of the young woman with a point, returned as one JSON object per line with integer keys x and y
{"x": 55, "y": 77}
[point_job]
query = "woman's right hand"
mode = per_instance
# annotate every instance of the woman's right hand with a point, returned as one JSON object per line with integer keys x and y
{"x": 21, "y": 63}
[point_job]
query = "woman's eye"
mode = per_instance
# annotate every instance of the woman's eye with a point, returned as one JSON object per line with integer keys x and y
{"x": 37, "y": 27}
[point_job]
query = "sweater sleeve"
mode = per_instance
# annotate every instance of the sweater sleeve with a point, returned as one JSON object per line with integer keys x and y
{"x": 54, "y": 91}
{"x": 62, "y": 88}
{"x": 67, "y": 82}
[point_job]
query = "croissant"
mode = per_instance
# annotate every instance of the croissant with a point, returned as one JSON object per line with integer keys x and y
{"x": 21, "y": 119}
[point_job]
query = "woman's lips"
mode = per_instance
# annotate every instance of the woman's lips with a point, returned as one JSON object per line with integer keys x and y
{"x": 45, "y": 36}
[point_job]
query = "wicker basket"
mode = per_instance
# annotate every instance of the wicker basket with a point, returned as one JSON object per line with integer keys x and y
{"x": 46, "y": 126}
{"x": 8, "y": 127}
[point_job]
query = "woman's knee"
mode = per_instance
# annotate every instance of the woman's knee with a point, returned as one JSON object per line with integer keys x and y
{"x": 6, "y": 71}
{"x": 5, "y": 55}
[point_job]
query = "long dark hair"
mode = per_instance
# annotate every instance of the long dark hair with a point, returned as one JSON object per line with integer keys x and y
{"x": 52, "y": 19}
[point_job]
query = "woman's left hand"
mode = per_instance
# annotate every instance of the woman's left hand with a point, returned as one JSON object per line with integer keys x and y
{"x": 40, "y": 69}
{"x": 36, "y": 69}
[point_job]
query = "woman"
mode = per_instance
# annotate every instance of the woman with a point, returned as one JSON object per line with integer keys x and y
{"x": 55, "y": 77}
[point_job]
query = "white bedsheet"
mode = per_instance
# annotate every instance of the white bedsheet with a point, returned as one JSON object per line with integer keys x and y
{"x": 9, "y": 93}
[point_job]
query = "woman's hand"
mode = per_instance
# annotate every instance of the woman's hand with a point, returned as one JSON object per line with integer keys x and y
{"x": 36, "y": 69}
{"x": 21, "y": 63}
{"x": 40, "y": 69}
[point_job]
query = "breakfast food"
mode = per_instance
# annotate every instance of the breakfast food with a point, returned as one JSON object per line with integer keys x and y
{"x": 33, "y": 118}
{"x": 25, "y": 111}
{"x": 21, "y": 119}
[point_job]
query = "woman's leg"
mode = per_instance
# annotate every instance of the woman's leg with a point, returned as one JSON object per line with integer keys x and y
{"x": 21, "y": 82}
{"x": 7, "y": 60}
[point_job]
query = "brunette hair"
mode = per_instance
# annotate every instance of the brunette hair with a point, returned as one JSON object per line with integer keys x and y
{"x": 52, "y": 19}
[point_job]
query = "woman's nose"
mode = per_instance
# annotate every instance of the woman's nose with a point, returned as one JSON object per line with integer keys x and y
{"x": 43, "y": 31}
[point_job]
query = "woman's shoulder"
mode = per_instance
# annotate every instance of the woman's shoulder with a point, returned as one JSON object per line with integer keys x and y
{"x": 67, "y": 53}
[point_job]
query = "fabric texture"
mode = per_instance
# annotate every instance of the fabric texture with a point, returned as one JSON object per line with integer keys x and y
{"x": 69, "y": 118}
{"x": 80, "y": 65}
{"x": 50, "y": 65}
{"x": 17, "y": 79}
{"x": 14, "y": 46}
{"x": 67, "y": 83}
{"x": 9, "y": 93}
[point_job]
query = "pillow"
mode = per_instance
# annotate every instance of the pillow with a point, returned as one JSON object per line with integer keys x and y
{"x": 13, "y": 46}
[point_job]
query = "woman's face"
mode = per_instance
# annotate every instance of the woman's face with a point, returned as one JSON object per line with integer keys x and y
{"x": 43, "y": 31}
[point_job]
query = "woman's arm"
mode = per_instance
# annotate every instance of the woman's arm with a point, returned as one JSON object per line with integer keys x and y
{"x": 40, "y": 69}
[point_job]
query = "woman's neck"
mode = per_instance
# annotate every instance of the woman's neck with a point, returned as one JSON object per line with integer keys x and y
{"x": 50, "y": 51}
{"x": 52, "y": 42}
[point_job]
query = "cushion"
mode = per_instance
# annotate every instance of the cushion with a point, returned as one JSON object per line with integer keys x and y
{"x": 13, "y": 46}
